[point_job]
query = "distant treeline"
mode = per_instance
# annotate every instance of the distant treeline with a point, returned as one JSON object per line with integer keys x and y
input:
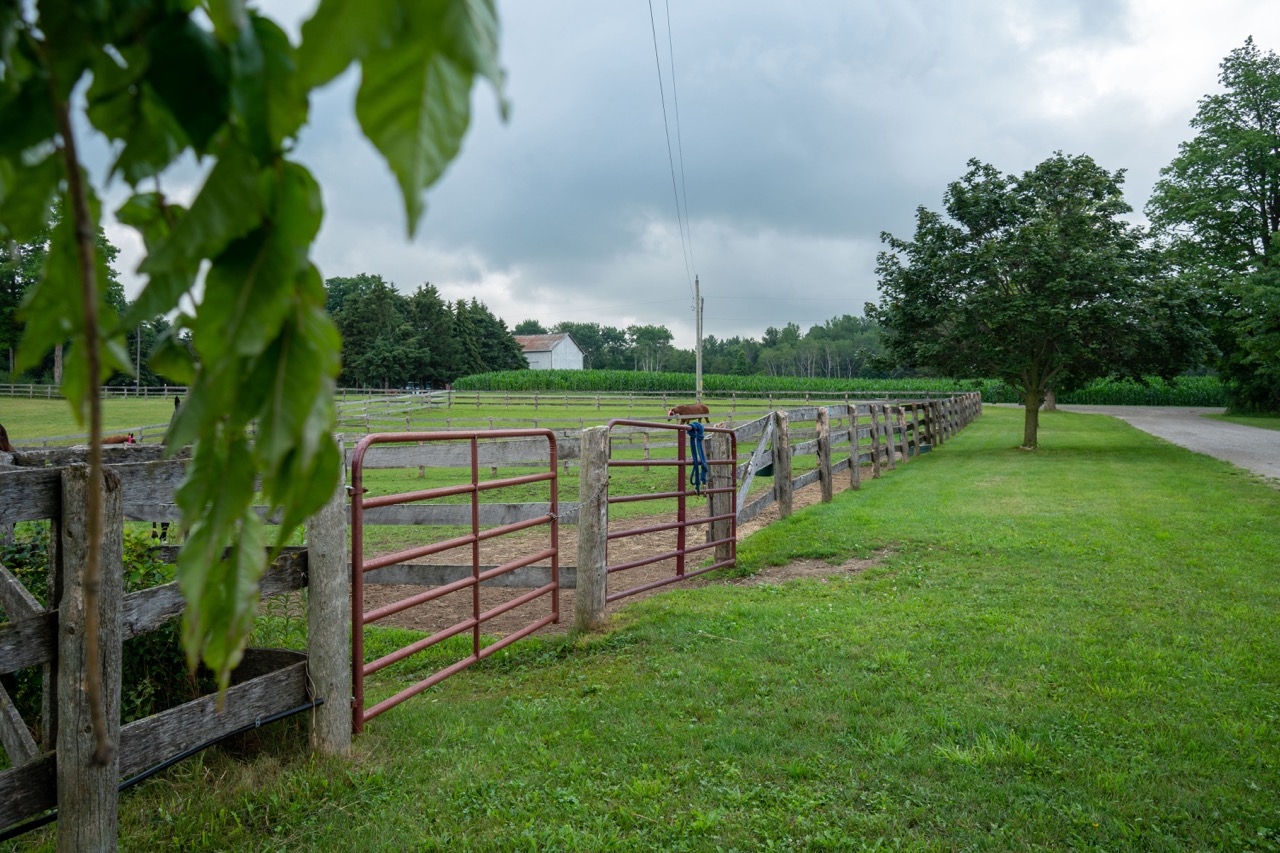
{"x": 1184, "y": 391}
{"x": 844, "y": 347}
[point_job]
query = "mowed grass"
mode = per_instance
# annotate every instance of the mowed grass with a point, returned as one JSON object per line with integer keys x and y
{"x": 28, "y": 420}
{"x": 1072, "y": 649}
{"x": 1260, "y": 421}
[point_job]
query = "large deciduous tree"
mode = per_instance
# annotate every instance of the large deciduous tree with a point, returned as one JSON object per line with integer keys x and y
{"x": 1218, "y": 204}
{"x": 217, "y": 80}
{"x": 1034, "y": 279}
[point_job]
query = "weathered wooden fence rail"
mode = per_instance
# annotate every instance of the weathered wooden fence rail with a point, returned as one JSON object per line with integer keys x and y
{"x": 56, "y": 772}
{"x": 796, "y": 447}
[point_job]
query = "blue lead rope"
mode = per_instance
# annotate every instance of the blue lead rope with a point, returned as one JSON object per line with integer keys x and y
{"x": 698, "y": 476}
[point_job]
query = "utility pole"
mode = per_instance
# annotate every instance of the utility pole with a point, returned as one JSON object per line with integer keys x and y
{"x": 697, "y": 313}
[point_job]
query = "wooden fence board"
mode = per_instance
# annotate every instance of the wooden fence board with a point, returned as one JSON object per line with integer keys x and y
{"x": 455, "y": 514}
{"x": 425, "y": 574}
{"x": 144, "y": 743}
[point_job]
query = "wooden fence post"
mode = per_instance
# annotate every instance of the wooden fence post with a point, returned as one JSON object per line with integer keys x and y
{"x": 88, "y": 793}
{"x": 782, "y": 485}
{"x": 855, "y": 449}
{"x": 890, "y": 439}
{"x": 824, "y": 453}
{"x": 593, "y": 529}
{"x": 329, "y": 621}
{"x": 915, "y": 426}
{"x": 904, "y": 447}
{"x": 719, "y": 447}
{"x": 873, "y": 408}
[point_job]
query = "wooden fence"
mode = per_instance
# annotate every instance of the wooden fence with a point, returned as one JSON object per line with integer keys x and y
{"x": 797, "y": 447}
{"x": 56, "y": 771}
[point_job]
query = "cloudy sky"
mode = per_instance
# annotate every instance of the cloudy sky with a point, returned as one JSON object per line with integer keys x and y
{"x": 806, "y": 130}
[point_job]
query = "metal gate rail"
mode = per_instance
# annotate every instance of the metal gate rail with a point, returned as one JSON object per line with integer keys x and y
{"x": 359, "y": 565}
{"x": 682, "y": 523}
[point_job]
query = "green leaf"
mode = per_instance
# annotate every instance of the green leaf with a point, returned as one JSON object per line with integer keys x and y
{"x": 286, "y": 98}
{"x": 25, "y": 196}
{"x": 53, "y": 310}
{"x": 155, "y": 220}
{"x": 341, "y": 32}
{"x": 127, "y": 109}
{"x": 172, "y": 360}
{"x": 229, "y": 205}
{"x": 248, "y": 90}
{"x": 414, "y": 105}
{"x": 189, "y": 71}
{"x": 470, "y": 36}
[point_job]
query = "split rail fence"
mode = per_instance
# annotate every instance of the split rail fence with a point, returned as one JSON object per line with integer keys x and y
{"x": 794, "y": 448}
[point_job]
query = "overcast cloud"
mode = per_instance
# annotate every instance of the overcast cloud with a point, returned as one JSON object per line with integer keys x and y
{"x": 806, "y": 130}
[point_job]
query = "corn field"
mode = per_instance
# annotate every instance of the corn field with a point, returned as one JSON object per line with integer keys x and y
{"x": 1183, "y": 391}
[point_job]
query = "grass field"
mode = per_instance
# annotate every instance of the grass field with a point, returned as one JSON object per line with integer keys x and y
{"x": 1072, "y": 649}
{"x": 1260, "y": 421}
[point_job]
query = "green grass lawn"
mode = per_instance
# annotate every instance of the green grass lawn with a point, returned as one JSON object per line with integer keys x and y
{"x": 1076, "y": 648}
{"x": 1260, "y": 421}
{"x": 28, "y": 420}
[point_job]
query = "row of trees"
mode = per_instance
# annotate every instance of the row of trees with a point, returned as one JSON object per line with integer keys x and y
{"x": 843, "y": 347}
{"x": 1037, "y": 279}
{"x": 390, "y": 340}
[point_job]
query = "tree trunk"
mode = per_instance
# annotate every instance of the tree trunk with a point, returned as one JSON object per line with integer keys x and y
{"x": 57, "y": 365}
{"x": 1050, "y": 401}
{"x": 1031, "y": 421}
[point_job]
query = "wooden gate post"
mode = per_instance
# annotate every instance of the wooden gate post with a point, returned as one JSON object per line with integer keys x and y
{"x": 824, "y": 453}
{"x": 88, "y": 793}
{"x": 782, "y": 486}
{"x": 329, "y": 621}
{"x": 593, "y": 529}
{"x": 719, "y": 447}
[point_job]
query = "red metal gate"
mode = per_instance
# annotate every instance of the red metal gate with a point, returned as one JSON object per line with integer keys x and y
{"x": 471, "y": 583}
{"x": 682, "y": 464}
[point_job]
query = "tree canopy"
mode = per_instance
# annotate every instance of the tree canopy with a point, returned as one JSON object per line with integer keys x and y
{"x": 1218, "y": 205}
{"x": 1034, "y": 279}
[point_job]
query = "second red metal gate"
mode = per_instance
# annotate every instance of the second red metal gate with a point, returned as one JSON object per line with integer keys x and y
{"x": 724, "y": 521}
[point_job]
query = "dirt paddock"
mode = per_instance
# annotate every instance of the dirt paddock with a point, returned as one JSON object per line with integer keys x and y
{"x": 457, "y": 607}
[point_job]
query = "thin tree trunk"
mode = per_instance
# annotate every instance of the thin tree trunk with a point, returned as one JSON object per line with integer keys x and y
{"x": 1031, "y": 420}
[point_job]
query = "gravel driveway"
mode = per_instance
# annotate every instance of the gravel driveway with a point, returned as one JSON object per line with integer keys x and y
{"x": 1254, "y": 449}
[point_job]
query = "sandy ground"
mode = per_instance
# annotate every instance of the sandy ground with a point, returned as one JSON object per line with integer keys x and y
{"x": 455, "y": 607}
{"x": 1254, "y": 449}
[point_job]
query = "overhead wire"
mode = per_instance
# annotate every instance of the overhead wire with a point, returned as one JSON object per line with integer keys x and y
{"x": 662, "y": 90}
{"x": 675, "y": 102}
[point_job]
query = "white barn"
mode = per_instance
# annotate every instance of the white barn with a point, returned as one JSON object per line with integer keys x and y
{"x": 550, "y": 352}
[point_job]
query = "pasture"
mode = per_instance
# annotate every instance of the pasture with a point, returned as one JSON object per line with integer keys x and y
{"x": 1071, "y": 649}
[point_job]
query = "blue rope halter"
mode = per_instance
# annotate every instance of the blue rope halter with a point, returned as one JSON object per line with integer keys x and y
{"x": 698, "y": 476}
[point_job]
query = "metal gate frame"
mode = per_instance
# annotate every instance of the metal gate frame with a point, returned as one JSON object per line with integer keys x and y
{"x": 359, "y": 565}
{"x": 681, "y": 463}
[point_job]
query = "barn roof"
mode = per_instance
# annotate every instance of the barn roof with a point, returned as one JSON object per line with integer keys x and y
{"x": 539, "y": 343}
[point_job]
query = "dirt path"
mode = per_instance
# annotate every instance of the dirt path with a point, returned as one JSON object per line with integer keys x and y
{"x": 455, "y": 607}
{"x": 1251, "y": 448}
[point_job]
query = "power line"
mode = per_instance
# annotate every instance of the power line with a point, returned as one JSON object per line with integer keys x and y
{"x": 662, "y": 91}
{"x": 675, "y": 101}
